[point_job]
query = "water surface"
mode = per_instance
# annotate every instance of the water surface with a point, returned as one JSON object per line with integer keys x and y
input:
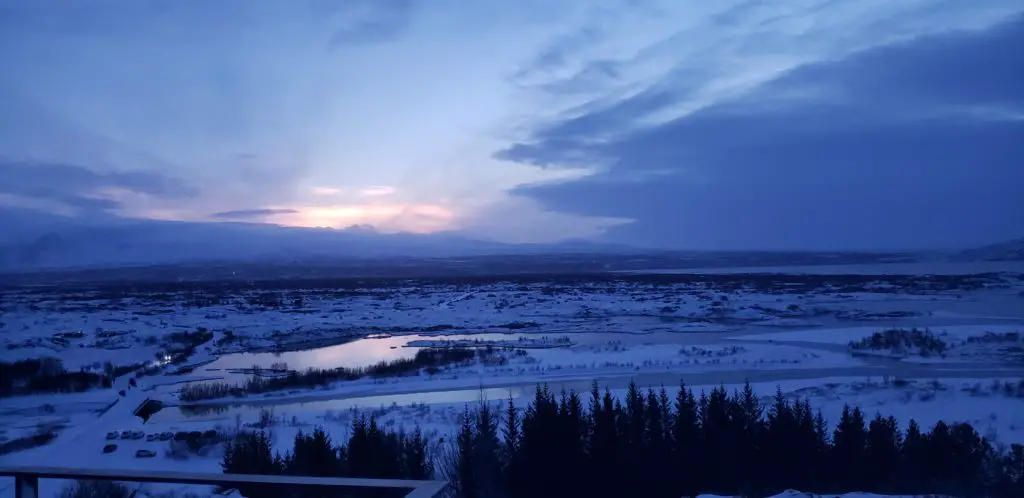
{"x": 356, "y": 354}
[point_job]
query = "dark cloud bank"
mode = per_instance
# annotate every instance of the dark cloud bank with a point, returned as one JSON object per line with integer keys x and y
{"x": 77, "y": 186}
{"x": 917, "y": 145}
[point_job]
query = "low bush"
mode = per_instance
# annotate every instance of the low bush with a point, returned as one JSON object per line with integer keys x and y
{"x": 95, "y": 489}
{"x": 923, "y": 342}
{"x": 40, "y": 438}
{"x": 197, "y": 444}
{"x": 46, "y": 375}
{"x": 995, "y": 337}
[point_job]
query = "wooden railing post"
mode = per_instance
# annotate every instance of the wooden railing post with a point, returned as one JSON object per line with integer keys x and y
{"x": 26, "y": 486}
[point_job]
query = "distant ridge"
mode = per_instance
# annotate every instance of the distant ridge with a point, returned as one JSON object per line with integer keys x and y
{"x": 35, "y": 241}
{"x": 1010, "y": 250}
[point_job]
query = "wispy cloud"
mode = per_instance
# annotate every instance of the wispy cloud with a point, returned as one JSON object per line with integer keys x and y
{"x": 370, "y": 21}
{"x": 856, "y": 152}
{"x": 248, "y": 214}
{"x": 326, "y": 191}
{"x": 83, "y": 189}
{"x": 528, "y": 120}
{"x": 377, "y": 191}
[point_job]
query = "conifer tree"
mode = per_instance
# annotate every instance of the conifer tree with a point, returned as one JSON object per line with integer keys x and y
{"x": 748, "y": 440}
{"x": 780, "y": 427}
{"x": 464, "y": 478}
{"x": 313, "y": 455}
{"x": 604, "y": 449}
{"x": 636, "y": 417}
{"x": 251, "y": 453}
{"x": 570, "y": 443}
{"x": 971, "y": 453}
{"x": 540, "y": 465}
{"x": 939, "y": 461}
{"x": 848, "y": 444}
{"x": 486, "y": 451}
{"x": 686, "y": 439}
{"x": 654, "y": 433}
{"x": 883, "y": 449}
{"x": 808, "y": 448}
{"x": 913, "y": 461}
{"x": 418, "y": 464}
{"x": 717, "y": 441}
{"x": 657, "y": 452}
{"x": 666, "y": 414}
{"x": 821, "y": 435}
{"x": 359, "y": 448}
{"x": 511, "y": 431}
{"x": 556, "y": 448}
{"x": 635, "y": 428}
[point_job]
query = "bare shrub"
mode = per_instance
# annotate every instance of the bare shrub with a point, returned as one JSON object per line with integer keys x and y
{"x": 95, "y": 489}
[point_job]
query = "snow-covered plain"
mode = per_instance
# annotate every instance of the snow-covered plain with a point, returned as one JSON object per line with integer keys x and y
{"x": 721, "y": 330}
{"x": 845, "y": 335}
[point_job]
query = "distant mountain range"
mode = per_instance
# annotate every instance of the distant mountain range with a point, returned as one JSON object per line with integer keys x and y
{"x": 32, "y": 240}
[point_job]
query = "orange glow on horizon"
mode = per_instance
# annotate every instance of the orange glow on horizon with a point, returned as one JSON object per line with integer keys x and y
{"x": 417, "y": 218}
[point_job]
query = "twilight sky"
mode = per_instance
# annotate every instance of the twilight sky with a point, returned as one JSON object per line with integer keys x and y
{"x": 789, "y": 124}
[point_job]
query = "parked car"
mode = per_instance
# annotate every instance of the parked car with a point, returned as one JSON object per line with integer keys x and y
{"x": 164, "y": 436}
{"x": 126, "y": 434}
{"x": 150, "y": 437}
{"x": 138, "y": 435}
{"x": 110, "y": 448}
{"x": 145, "y": 454}
{"x": 112, "y": 435}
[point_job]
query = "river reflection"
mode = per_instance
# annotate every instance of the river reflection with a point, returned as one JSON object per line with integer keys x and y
{"x": 355, "y": 354}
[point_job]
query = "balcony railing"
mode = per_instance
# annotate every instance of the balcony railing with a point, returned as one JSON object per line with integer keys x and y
{"x": 27, "y": 480}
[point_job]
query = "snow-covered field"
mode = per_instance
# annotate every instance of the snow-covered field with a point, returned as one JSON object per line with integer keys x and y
{"x": 845, "y": 335}
{"x": 719, "y": 331}
{"x": 960, "y": 343}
